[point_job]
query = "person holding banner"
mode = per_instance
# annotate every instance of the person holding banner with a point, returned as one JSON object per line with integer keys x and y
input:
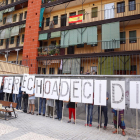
{"x": 50, "y": 106}
{"x": 1, "y": 92}
{"x": 19, "y": 96}
{"x": 25, "y": 101}
{"x": 59, "y": 105}
{"x": 104, "y": 110}
{"x": 121, "y": 123}
{"x": 32, "y": 102}
{"x": 42, "y": 102}
{"x": 71, "y": 106}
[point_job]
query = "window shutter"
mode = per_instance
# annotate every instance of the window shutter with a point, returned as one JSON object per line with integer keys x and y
{"x": 94, "y": 12}
{"x": 55, "y": 19}
{"x": 4, "y": 20}
{"x": 14, "y": 18}
{"x": 82, "y": 12}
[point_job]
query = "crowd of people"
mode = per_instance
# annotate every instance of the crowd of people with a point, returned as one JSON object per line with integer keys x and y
{"x": 29, "y": 101}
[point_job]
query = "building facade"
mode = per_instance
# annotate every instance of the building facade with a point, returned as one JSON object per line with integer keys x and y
{"x": 105, "y": 41}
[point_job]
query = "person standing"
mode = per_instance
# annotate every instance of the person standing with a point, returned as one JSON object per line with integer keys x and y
{"x": 59, "y": 105}
{"x": 25, "y": 101}
{"x": 50, "y": 106}
{"x": 19, "y": 97}
{"x": 104, "y": 110}
{"x": 32, "y": 102}
{"x": 1, "y": 92}
{"x": 42, "y": 101}
{"x": 121, "y": 123}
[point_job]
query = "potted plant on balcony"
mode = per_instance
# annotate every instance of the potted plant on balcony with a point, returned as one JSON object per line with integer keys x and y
{"x": 39, "y": 51}
{"x": 52, "y": 52}
{"x": 57, "y": 52}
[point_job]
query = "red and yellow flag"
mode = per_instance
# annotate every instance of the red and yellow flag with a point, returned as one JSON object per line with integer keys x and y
{"x": 76, "y": 18}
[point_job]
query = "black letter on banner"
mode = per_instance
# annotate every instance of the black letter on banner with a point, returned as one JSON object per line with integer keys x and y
{"x": 99, "y": 93}
{"x": 38, "y": 86}
{"x": 16, "y": 83}
{"x": 62, "y": 88}
{"x": 49, "y": 87}
{"x": 28, "y": 84}
{"x": 137, "y": 93}
{"x": 55, "y": 90}
{"x": 9, "y": 83}
{"x": 113, "y": 93}
{"x": 23, "y": 81}
{"x": 75, "y": 88}
{"x": 5, "y": 83}
{"x": 84, "y": 90}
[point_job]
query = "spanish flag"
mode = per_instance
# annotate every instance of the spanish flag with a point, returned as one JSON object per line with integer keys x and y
{"x": 76, "y": 18}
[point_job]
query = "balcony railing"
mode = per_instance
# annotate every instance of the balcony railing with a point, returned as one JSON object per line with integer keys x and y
{"x": 6, "y": 2}
{"x": 63, "y": 21}
{"x": 132, "y": 44}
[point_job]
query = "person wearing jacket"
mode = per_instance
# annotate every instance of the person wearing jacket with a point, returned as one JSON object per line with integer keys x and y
{"x": 1, "y": 92}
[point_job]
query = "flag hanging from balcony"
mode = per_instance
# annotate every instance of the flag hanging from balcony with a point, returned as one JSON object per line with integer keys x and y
{"x": 76, "y": 18}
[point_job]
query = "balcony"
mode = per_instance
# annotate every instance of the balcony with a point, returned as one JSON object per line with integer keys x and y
{"x": 129, "y": 12}
{"x": 101, "y": 47}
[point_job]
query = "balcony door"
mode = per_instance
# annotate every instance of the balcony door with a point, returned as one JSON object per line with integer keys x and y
{"x": 109, "y": 11}
{"x": 7, "y": 43}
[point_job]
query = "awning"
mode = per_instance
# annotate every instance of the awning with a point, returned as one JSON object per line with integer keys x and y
{"x": 107, "y": 65}
{"x": 111, "y": 35}
{"x": 41, "y": 17}
{"x": 55, "y": 34}
{"x": 9, "y": 19}
{"x": 65, "y": 39}
{"x": 9, "y": 10}
{"x": 75, "y": 68}
{"x": 66, "y": 66}
{"x": 73, "y": 37}
{"x": 22, "y": 26}
{"x": 2, "y": 34}
{"x": 43, "y": 36}
{"x": 7, "y": 33}
{"x": 1, "y": 16}
{"x": 15, "y": 31}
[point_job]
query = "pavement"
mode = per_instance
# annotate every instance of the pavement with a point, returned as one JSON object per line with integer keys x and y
{"x": 33, "y": 127}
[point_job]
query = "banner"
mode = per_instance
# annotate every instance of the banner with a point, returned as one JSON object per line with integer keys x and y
{"x": 76, "y": 18}
{"x": 135, "y": 94}
{"x": 8, "y": 82}
{"x": 16, "y": 85}
{"x": 51, "y": 88}
{"x": 118, "y": 94}
{"x": 65, "y": 90}
{"x": 30, "y": 84}
{"x": 75, "y": 90}
{"x": 24, "y": 82}
{"x": 100, "y": 92}
{"x": 87, "y": 91}
{"x": 39, "y": 87}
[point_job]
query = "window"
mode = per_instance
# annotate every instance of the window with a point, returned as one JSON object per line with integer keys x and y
{"x": 12, "y": 40}
{"x": 39, "y": 70}
{"x": 120, "y": 7}
{"x": 45, "y": 43}
{"x": 70, "y": 50}
{"x": 53, "y": 42}
{"x": 25, "y": 14}
{"x": 15, "y": 18}
{"x": 55, "y": 19}
{"x": 63, "y": 20}
{"x": 12, "y": 1}
{"x": 51, "y": 70}
{"x": 80, "y": 45}
{"x": 4, "y": 20}
{"x": 43, "y": 70}
{"x": 47, "y": 21}
{"x": 1, "y": 42}
{"x": 20, "y": 16}
{"x": 6, "y": 2}
{"x": 132, "y": 37}
{"x": 82, "y": 12}
{"x": 132, "y": 5}
{"x": 72, "y": 14}
{"x": 122, "y": 37}
{"x": 94, "y": 12}
{"x": 23, "y": 38}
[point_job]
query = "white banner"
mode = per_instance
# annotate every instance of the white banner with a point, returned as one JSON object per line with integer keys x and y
{"x": 87, "y": 91}
{"x": 39, "y": 87}
{"x": 135, "y": 94}
{"x": 24, "y": 82}
{"x": 64, "y": 90}
{"x": 118, "y": 94}
{"x": 30, "y": 84}
{"x": 100, "y": 92}
{"x": 16, "y": 85}
{"x": 0, "y": 81}
{"x": 51, "y": 88}
{"x": 8, "y": 82}
{"x": 76, "y": 90}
